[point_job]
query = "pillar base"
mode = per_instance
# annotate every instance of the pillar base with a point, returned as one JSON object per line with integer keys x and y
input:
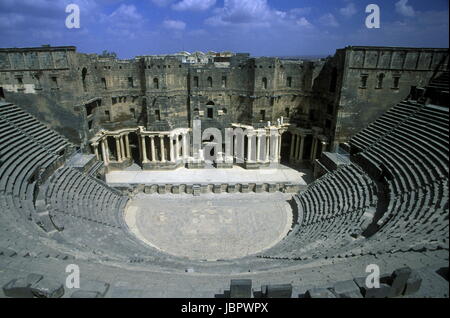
{"x": 224, "y": 165}
{"x": 115, "y": 165}
{"x": 161, "y": 165}
{"x": 195, "y": 165}
{"x": 252, "y": 165}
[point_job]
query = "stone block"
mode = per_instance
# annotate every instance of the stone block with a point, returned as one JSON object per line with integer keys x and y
{"x": 273, "y": 187}
{"x": 17, "y": 288}
{"x": 92, "y": 289}
{"x": 140, "y": 188}
{"x": 241, "y": 288}
{"x": 347, "y": 289}
{"x": 34, "y": 285}
{"x": 46, "y": 288}
{"x": 259, "y": 188}
{"x": 413, "y": 284}
{"x": 196, "y": 190}
{"x": 162, "y": 189}
{"x": 21, "y": 287}
{"x": 153, "y": 189}
{"x": 291, "y": 188}
{"x": 277, "y": 291}
{"x": 383, "y": 292}
{"x": 398, "y": 281}
{"x": 148, "y": 190}
{"x": 319, "y": 293}
{"x": 245, "y": 188}
{"x": 231, "y": 188}
{"x": 86, "y": 294}
{"x": 217, "y": 188}
{"x": 176, "y": 189}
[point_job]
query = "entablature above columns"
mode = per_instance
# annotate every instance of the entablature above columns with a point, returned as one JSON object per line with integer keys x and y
{"x": 101, "y": 135}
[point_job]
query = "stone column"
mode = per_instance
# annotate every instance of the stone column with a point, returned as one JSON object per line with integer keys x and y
{"x": 118, "y": 152}
{"x": 297, "y": 150}
{"x": 249, "y": 147}
{"x": 95, "y": 146}
{"x": 144, "y": 150}
{"x": 293, "y": 142}
{"x": 302, "y": 148}
{"x": 275, "y": 149}
{"x": 122, "y": 148}
{"x": 104, "y": 153}
{"x": 152, "y": 145}
{"x": 107, "y": 150}
{"x": 324, "y": 147}
{"x": 127, "y": 146}
{"x": 177, "y": 147}
{"x": 258, "y": 148}
{"x": 163, "y": 153}
{"x": 279, "y": 148}
{"x": 185, "y": 147}
{"x": 172, "y": 151}
{"x": 267, "y": 159}
{"x": 313, "y": 151}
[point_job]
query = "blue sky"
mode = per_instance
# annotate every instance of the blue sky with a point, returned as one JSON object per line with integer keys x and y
{"x": 259, "y": 27}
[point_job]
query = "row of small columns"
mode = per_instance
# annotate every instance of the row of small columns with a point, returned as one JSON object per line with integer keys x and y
{"x": 122, "y": 148}
{"x": 176, "y": 152}
{"x": 297, "y": 147}
{"x": 260, "y": 135}
{"x": 316, "y": 141}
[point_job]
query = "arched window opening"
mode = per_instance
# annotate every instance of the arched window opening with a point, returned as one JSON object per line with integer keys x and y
{"x": 380, "y": 79}
{"x": 264, "y": 83}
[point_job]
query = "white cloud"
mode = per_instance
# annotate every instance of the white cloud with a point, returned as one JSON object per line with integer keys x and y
{"x": 404, "y": 9}
{"x": 348, "y": 11}
{"x": 193, "y": 5}
{"x": 256, "y": 13}
{"x": 124, "y": 21}
{"x": 328, "y": 20}
{"x": 303, "y": 22}
{"x": 176, "y": 25}
{"x": 242, "y": 12}
{"x": 126, "y": 13}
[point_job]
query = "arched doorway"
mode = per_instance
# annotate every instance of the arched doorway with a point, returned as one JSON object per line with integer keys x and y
{"x": 133, "y": 139}
{"x": 286, "y": 140}
{"x": 210, "y": 109}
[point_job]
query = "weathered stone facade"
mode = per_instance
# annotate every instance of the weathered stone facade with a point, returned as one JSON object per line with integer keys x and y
{"x": 359, "y": 84}
{"x": 328, "y": 100}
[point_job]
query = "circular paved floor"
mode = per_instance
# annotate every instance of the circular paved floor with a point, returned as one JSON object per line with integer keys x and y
{"x": 212, "y": 226}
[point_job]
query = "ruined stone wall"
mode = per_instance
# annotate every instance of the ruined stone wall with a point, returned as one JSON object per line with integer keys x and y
{"x": 117, "y": 83}
{"x": 376, "y": 79}
{"x": 79, "y": 94}
{"x": 165, "y": 82}
{"x": 44, "y": 82}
